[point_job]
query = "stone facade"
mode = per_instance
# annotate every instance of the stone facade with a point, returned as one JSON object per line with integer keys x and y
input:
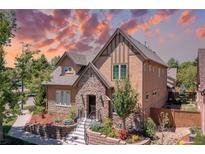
{"x": 90, "y": 84}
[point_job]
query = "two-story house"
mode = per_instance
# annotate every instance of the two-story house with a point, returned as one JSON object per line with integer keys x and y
{"x": 87, "y": 80}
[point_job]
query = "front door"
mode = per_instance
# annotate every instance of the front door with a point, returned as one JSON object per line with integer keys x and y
{"x": 92, "y": 106}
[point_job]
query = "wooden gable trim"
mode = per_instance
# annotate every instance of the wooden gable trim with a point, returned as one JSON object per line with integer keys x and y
{"x": 124, "y": 37}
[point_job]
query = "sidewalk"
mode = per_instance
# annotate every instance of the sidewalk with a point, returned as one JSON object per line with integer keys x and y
{"x": 18, "y": 132}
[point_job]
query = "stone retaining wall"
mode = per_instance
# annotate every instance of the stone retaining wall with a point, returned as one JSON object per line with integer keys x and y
{"x": 95, "y": 138}
{"x": 51, "y": 131}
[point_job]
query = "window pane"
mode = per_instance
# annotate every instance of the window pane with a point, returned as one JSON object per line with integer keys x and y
{"x": 123, "y": 71}
{"x": 61, "y": 101}
{"x": 57, "y": 97}
{"x": 68, "y": 99}
{"x": 115, "y": 71}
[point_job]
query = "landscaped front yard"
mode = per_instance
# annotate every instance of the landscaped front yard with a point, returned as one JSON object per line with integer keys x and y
{"x": 128, "y": 136}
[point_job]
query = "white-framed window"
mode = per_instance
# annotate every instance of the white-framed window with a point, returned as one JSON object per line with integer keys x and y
{"x": 63, "y": 97}
{"x": 119, "y": 71}
{"x": 68, "y": 69}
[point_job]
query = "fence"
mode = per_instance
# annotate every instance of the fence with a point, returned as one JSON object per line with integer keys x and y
{"x": 177, "y": 118}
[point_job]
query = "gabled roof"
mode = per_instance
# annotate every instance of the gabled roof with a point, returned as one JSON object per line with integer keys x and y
{"x": 146, "y": 52}
{"x": 58, "y": 79}
{"x": 79, "y": 58}
{"x": 97, "y": 72}
{"x": 201, "y": 69}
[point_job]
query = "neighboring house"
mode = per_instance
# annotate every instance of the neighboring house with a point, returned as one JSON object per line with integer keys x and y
{"x": 87, "y": 80}
{"x": 201, "y": 86}
{"x": 171, "y": 83}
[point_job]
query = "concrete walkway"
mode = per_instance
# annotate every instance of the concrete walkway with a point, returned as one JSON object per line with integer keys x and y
{"x": 18, "y": 132}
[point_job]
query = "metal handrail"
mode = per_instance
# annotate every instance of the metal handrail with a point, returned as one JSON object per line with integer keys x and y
{"x": 85, "y": 135}
{"x": 91, "y": 114}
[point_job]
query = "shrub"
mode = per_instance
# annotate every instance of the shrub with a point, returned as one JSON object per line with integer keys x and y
{"x": 194, "y": 130}
{"x": 149, "y": 128}
{"x": 134, "y": 138}
{"x": 96, "y": 126}
{"x": 113, "y": 134}
{"x": 107, "y": 123}
{"x": 104, "y": 128}
{"x": 72, "y": 114}
{"x": 181, "y": 142}
{"x": 123, "y": 134}
{"x": 39, "y": 109}
{"x": 199, "y": 139}
{"x": 58, "y": 120}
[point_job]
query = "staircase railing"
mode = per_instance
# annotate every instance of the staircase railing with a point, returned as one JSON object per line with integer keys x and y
{"x": 85, "y": 134}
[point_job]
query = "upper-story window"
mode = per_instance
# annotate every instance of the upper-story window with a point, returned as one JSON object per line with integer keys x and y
{"x": 68, "y": 69}
{"x": 119, "y": 71}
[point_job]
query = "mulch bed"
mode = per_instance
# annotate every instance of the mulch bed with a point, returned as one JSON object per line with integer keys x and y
{"x": 47, "y": 119}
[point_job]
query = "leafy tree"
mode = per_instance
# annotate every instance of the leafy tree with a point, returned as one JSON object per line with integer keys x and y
{"x": 54, "y": 61}
{"x": 187, "y": 75}
{"x": 125, "y": 100}
{"x": 8, "y": 101}
{"x": 172, "y": 63}
{"x": 23, "y": 71}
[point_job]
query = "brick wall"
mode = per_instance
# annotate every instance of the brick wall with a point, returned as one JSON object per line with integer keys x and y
{"x": 50, "y": 131}
{"x": 177, "y": 118}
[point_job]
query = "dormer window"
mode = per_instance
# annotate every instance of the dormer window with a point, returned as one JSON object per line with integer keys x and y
{"x": 68, "y": 69}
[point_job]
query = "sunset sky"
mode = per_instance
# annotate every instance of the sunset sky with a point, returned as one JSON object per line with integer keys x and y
{"x": 171, "y": 33}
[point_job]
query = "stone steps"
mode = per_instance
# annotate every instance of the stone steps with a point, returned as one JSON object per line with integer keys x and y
{"x": 77, "y": 136}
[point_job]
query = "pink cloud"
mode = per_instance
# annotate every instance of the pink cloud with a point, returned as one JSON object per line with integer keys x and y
{"x": 186, "y": 18}
{"x": 188, "y": 30}
{"x": 161, "y": 16}
{"x": 131, "y": 26}
{"x": 153, "y": 32}
{"x": 200, "y": 32}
